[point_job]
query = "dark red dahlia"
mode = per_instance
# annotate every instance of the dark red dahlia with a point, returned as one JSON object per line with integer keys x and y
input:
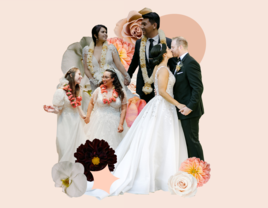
{"x": 94, "y": 156}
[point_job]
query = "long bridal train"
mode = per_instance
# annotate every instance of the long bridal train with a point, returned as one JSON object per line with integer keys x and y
{"x": 152, "y": 150}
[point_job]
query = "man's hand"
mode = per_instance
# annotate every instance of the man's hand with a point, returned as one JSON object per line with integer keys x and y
{"x": 185, "y": 111}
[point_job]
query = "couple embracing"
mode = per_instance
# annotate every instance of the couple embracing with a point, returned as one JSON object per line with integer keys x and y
{"x": 158, "y": 142}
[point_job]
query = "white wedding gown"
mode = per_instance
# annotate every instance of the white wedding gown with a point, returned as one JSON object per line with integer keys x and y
{"x": 105, "y": 119}
{"x": 152, "y": 150}
{"x": 70, "y": 132}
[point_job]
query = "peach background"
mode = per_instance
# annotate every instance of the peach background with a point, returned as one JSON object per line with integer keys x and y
{"x": 233, "y": 131}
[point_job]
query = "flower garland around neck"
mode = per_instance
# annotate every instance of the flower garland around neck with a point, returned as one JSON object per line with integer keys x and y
{"x": 90, "y": 56}
{"x": 147, "y": 89}
{"x": 104, "y": 94}
{"x": 75, "y": 101}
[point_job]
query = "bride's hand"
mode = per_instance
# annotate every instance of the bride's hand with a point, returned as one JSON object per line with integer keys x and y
{"x": 120, "y": 128}
{"x": 87, "y": 120}
{"x": 180, "y": 106}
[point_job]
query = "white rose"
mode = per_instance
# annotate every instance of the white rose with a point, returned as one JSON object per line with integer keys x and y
{"x": 183, "y": 184}
{"x": 70, "y": 177}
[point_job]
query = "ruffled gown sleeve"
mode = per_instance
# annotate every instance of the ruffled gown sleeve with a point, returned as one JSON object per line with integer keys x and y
{"x": 85, "y": 50}
{"x": 95, "y": 95}
{"x": 58, "y": 99}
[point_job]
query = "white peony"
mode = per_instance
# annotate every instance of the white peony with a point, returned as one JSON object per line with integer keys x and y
{"x": 70, "y": 176}
{"x": 183, "y": 184}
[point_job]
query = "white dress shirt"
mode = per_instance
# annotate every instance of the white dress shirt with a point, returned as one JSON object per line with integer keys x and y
{"x": 156, "y": 41}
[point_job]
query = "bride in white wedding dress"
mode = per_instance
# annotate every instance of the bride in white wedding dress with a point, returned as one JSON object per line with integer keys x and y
{"x": 154, "y": 147}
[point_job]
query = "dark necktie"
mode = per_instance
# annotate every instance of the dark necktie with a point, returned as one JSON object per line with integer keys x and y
{"x": 151, "y": 46}
{"x": 178, "y": 60}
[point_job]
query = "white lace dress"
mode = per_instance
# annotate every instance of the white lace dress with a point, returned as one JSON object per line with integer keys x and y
{"x": 98, "y": 71}
{"x": 70, "y": 132}
{"x": 104, "y": 120}
{"x": 152, "y": 150}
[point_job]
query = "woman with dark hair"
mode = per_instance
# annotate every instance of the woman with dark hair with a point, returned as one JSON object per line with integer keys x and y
{"x": 154, "y": 147}
{"x": 110, "y": 103}
{"x": 66, "y": 104}
{"x": 99, "y": 53}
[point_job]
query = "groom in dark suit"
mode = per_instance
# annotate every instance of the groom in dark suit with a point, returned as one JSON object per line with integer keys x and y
{"x": 188, "y": 90}
{"x": 150, "y": 25}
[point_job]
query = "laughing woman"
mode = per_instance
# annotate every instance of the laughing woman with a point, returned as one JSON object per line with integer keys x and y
{"x": 110, "y": 103}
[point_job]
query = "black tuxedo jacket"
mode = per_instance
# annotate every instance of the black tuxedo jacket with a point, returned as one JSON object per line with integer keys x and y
{"x": 150, "y": 68}
{"x": 189, "y": 87}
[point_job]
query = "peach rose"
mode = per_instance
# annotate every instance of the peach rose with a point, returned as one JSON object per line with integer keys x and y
{"x": 130, "y": 28}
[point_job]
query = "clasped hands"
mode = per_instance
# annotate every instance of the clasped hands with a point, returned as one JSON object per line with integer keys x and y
{"x": 183, "y": 109}
{"x": 86, "y": 119}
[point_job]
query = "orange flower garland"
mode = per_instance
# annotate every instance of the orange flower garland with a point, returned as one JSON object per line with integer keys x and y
{"x": 74, "y": 101}
{"x": 104, "y": 94}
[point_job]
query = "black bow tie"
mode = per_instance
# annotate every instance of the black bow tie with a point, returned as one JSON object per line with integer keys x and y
{"x": 178, "y": 59}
